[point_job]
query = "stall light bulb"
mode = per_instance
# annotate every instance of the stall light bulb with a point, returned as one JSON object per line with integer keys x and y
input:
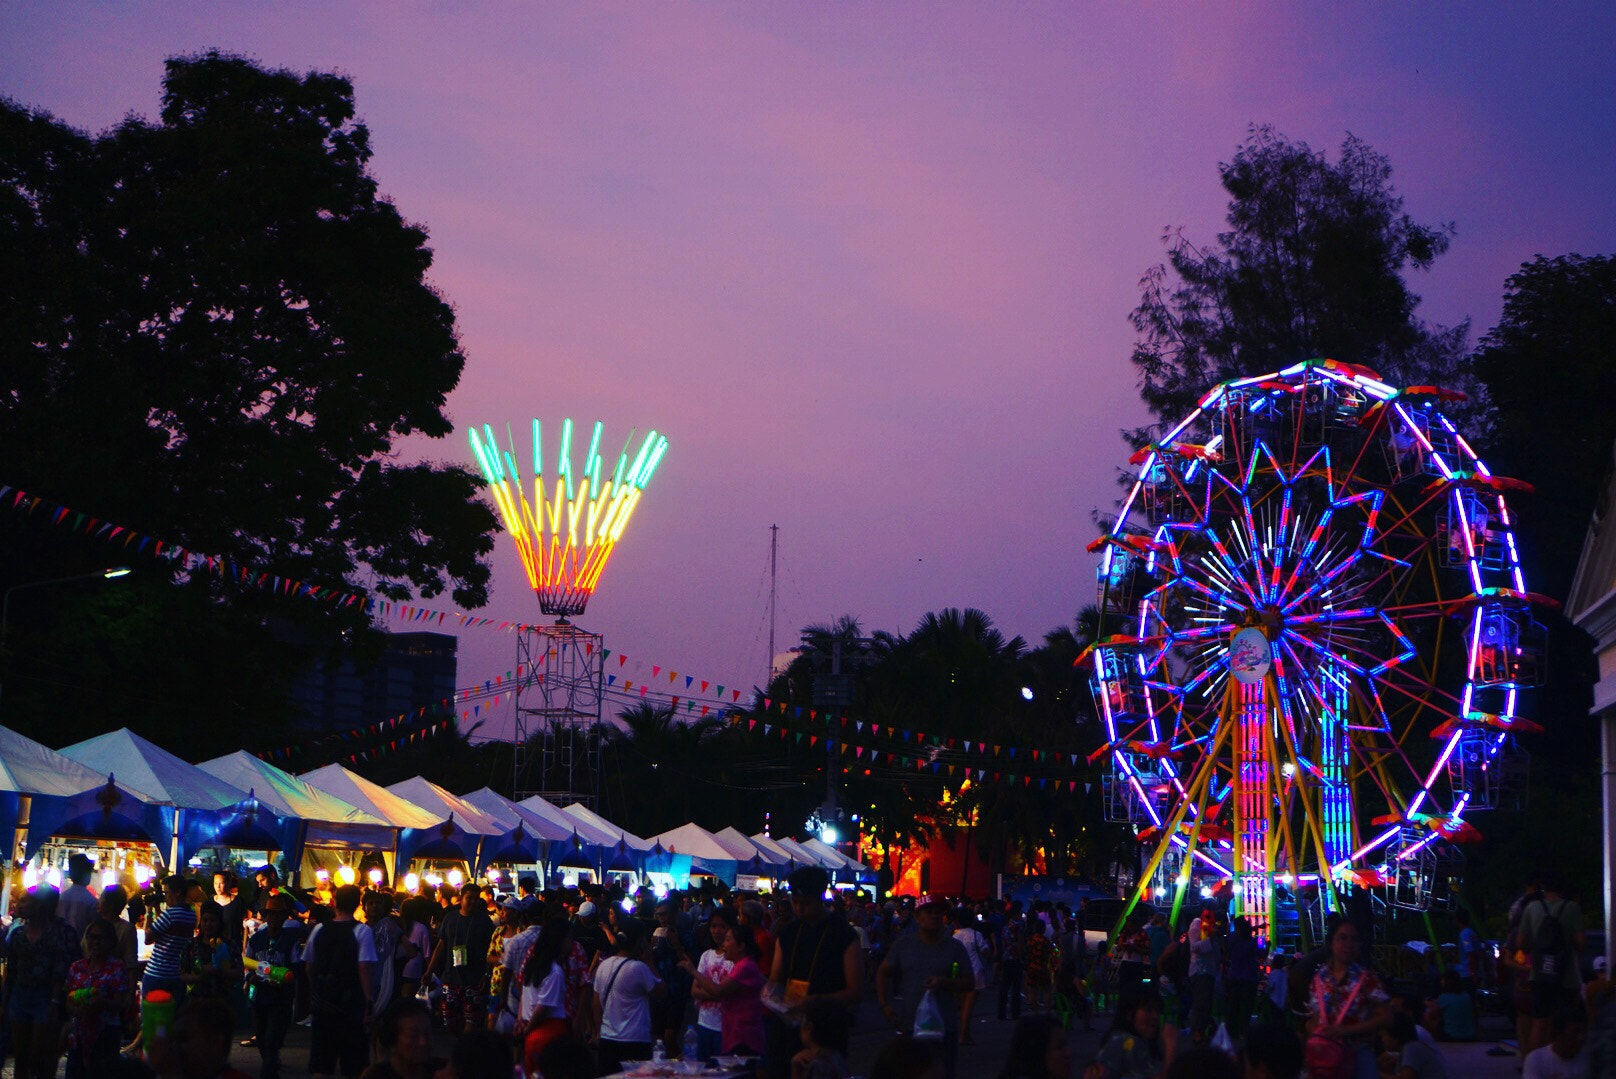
{"x": 143, "y": 873}
{"x": 347, "y": 875}
{"x": 55, "y": 877}
{"x": 109, "y": 877}
{"x": 456, "y": 878}
{"x": 433, "y": 880}
{"x": 322, "y": 875}
{"x": 412, "y": 882}
{"x": 660, "y": 891}
{"x": 30, "y": 877}
{"x": 1206, "y": 893}
{"x": 493, "y": 875}
{"x": 375, "y": 878}
{"x": 628, "y": 904}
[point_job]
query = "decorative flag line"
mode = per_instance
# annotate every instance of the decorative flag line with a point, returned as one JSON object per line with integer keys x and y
{"x": 696, "y": 689}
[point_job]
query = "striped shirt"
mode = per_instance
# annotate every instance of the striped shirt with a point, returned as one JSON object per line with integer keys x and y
{"x": 169, "y": 933}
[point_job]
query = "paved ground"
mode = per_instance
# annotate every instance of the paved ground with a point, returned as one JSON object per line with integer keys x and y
{"x": 979, "y": 1061}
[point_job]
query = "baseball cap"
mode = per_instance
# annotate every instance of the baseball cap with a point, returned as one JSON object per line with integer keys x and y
{"x": 586, "y": 909}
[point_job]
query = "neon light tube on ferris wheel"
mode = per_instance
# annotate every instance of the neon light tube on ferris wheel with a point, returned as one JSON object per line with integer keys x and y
{"x": 1374, "y": 844}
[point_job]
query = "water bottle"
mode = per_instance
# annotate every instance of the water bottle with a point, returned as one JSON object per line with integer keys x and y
{"x": 690, "y": 1042}
{"x": 658, "y": 1054}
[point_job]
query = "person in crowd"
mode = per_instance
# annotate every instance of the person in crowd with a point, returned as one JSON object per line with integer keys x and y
{"x": 1038, "y": 953}
{"x": 507, "y": 927}
{"x": 77, "y": 906}
{"x": 1159, "y": 934}
{"x": 816, "y": 955}
{"x": 1411, "y": 1005}
{"x": 480, "y": 1054}
{"x": 1468, "y": 962}
{"x": 340, "y": 960}
{"x": 713, "y": 967}
{"x": 1564, "y": 1056}
{"x": 1272, "y": 1051}
{"x": 670, "y": 949}
{"x": 1201, "y": 940}
{"x": 414, "y": 945}
{"x": 1345, "y": 1002}
{"x": 274, "y": 947}
{"x": 1203, "y": 1062}
{"x": 976, "y": 947}
{"x": 462, "y": 954}
{"x": 404, "y": 1043}
{"x": 1275, "y": 988}
{"x": 1244, "y": 959}
{"x": 110, "y": 907}
{"x": 541, "y": 1014}
{"x": 588, "y": 932}
{"x": 752, "y": 913}
{"x": 1131, "y": 954}
{"x": 1011, "y": 954}
{"x": 211, "y": 966}
{"x": 625, "y": 986}
{"x": 1550, "y": 935}
{"x": 908, "y": 1057}
{"x": 227, "y": 897}
{"x": 513, "y": 957}
{"x": 199, "y": 1047}
{"x": 1039, "y": 1049}
{"x": 739, "y": 995}
{"x": 1405, "y": 1056}
{"x": 98, "y": 997}
{"x": 169, "y": 934}
{"x": 926, "y": 961}
{"x": 1452, "y": 1014}
{"x": 824, "y": 1043}
{"x": 1139, "y": 1046}
{"x": 387, "y": 933}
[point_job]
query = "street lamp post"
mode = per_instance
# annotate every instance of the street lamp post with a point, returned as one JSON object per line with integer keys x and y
{"x": 25, "y": 802}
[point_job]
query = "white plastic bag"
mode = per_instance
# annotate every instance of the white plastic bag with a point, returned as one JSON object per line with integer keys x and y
{"x": 1222, "y": 1040}
{"x": 928, "y": 1018}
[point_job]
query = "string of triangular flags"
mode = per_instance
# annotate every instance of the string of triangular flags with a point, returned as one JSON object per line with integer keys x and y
{"x": 193, "y": 562}
{"x": 927, "y": 756}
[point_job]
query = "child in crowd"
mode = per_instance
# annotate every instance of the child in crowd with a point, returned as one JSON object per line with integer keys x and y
{"x": 1452, "y": 1015}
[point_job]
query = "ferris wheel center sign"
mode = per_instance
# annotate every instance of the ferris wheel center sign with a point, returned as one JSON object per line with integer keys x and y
{"x": 1250, "y": 656}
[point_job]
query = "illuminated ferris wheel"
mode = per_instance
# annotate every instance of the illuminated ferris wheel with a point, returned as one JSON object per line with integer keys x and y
{"x": 1316, "y": 641}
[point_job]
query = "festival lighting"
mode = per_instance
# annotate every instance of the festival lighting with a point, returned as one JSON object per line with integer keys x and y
{"x": 412, "y": 882}
{"x": 1263, "y": 595}
{"x": 346, "y": 874}
{"x": 456, "y": 878}
{"x": 109, "y": 877}
{"x": 375, "y": 876}
{"x": 566, "y": 523}
{"x": 143, "y": 873}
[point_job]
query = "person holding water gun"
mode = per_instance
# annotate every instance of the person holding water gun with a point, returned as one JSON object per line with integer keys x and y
{"x": 98, "y": 998}
{"x": 268, "y": 961}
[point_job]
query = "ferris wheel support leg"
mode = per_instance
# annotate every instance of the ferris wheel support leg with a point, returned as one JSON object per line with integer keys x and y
{"x": 1193, "y": 794}
{"x": 1314, "y": 826}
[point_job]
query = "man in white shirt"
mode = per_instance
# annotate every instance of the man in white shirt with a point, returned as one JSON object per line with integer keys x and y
{"x": 1564, "y": 1057}
{"x": 77, "y": 905}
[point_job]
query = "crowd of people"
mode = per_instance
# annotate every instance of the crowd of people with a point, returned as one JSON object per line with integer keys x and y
{"x": 569, "y": 983}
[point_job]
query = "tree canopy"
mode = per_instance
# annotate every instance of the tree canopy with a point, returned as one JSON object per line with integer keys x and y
{"x": 217, "y": 333}
{"x": 1312, "y": 265}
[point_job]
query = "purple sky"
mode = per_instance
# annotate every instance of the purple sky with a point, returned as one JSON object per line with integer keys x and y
{"x": 867, "y": 266}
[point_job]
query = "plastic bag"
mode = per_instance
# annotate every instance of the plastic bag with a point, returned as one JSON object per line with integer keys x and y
{"x": 1222, "y": 1040}
{"x": 928, "y": 1018}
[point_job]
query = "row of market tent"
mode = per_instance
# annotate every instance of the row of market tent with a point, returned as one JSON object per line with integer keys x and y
{"x": 123, "y": 795}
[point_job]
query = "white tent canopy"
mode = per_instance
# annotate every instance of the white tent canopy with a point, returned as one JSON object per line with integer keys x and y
{"x": 155, "y": 773}
{"x": 27, "y": 767}
{"x": 330, "y": 821}
{"x": 583, "y": 813}
{"x": 586, "y": 832}
{"x": 805, "y": 856}
{"x": 373, "y": 798}
{"x": 696, "y": 841}
{"x": 509, "y": 814}
{"x": 429, "y": 795}
{"x": 744, "y": 850}
{"x": 825, "y": 850}
{"x": 784, "y": 857}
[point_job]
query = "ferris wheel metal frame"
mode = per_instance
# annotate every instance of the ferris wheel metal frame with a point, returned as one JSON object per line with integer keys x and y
{"x": 1289, "y": 607}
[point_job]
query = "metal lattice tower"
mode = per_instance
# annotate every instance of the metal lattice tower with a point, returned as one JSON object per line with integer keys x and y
{"x": 558, "y": 705}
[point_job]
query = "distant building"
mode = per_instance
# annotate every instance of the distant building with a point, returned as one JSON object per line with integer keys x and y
{"x": 414, "y": 670}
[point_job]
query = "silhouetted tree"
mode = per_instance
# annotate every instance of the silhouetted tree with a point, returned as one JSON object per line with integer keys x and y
{"x": 1312, "y": 265}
